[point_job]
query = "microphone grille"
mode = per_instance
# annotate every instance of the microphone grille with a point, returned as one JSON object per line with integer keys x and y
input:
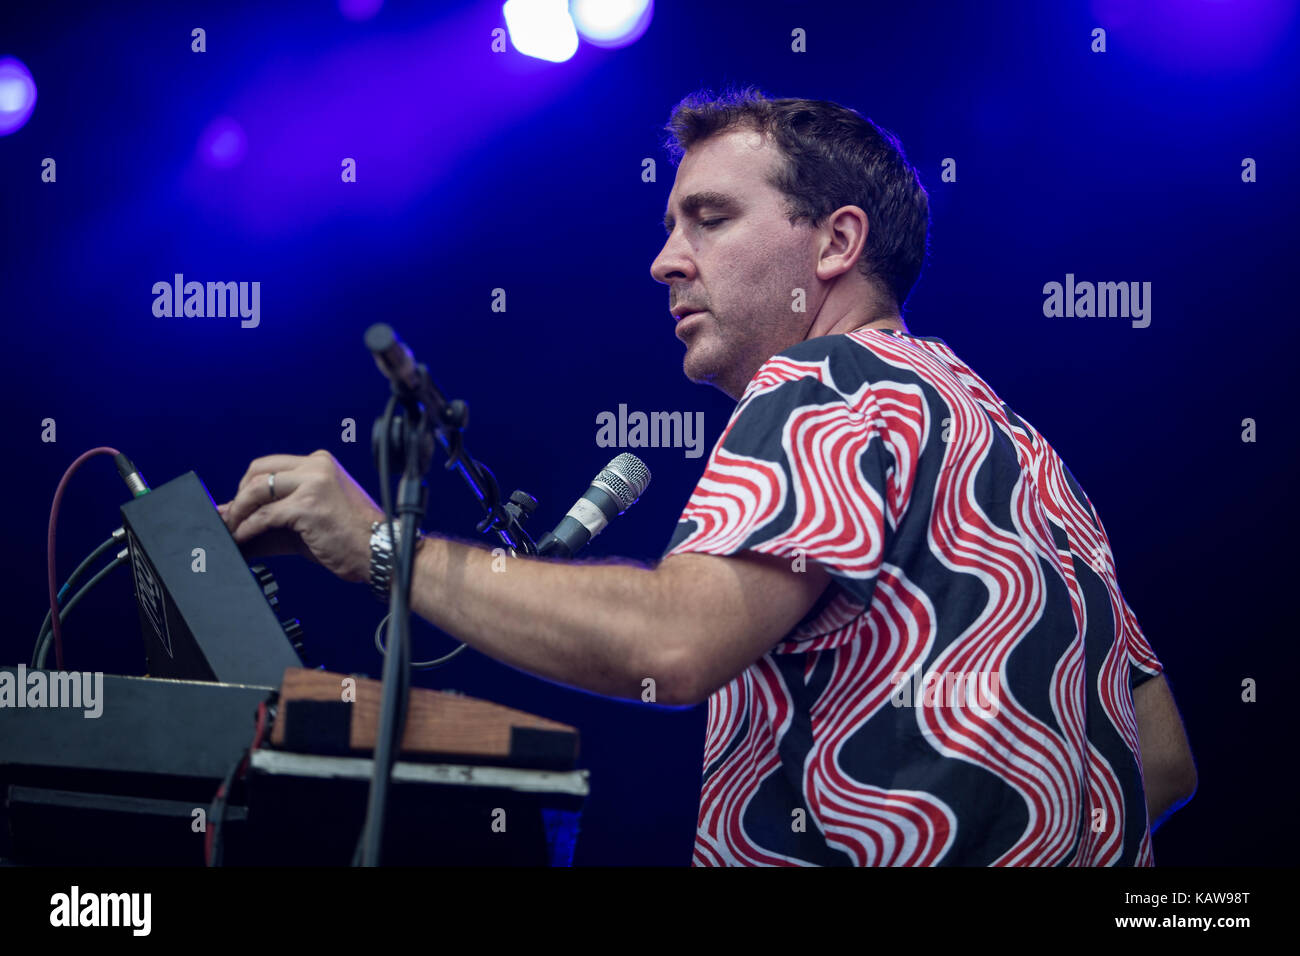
{"x": 627, "y": 478}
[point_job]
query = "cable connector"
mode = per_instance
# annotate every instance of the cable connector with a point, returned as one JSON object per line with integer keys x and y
{"x": 131, "y": 475}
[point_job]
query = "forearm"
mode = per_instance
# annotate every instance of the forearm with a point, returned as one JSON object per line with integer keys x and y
{"x": 599, "y": 627}
{"x": 1168, "y": 770}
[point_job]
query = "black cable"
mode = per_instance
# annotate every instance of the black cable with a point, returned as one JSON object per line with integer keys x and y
{"x": 217, "y": 812}
{"x": 217, "y": 808}
{"x": 90, "y": 559}
{"x": 72, "y": 579}
{"x": 47, "y": 639}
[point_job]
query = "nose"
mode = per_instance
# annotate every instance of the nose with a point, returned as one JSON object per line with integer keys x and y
{"x": 673, "y": 262}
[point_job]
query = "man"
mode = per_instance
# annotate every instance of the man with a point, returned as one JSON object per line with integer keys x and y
{"x": 898, "y": 603}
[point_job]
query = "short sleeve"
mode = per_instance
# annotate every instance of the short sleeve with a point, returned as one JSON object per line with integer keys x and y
{"x": 1143, "y": 664}
{"x": 799, "y": 470}
{"x": 1142, "y": 660}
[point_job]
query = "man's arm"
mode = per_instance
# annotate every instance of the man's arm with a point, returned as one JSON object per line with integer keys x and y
{"x": 691, "y": 624}
{"x": 1168, "y": 771}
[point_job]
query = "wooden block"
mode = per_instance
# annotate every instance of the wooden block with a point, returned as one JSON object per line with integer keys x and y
{"x": 438, "y": 725}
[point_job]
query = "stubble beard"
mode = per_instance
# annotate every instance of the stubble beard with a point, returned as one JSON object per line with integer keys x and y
{"x": 713, "y": 359}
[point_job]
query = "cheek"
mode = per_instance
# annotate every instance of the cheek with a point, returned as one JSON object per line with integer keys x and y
{"x": 747, "y": 272}
{"x": 763, "y": 290}
{"x": 770, "y": 258}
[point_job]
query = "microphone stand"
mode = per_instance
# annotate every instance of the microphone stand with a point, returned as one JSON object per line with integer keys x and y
{"x": 408, "y": 438}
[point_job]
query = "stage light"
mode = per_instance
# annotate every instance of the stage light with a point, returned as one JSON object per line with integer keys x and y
{"x": 222, "y": 143}
{"x": 541, "y": 29}
{"x": 612, "y": 23}
{"x": 17, "y": 95}
{"x": 1200, "y": 36}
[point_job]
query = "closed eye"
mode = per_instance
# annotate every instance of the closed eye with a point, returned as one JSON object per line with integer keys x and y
{"x": 710, "y": 223}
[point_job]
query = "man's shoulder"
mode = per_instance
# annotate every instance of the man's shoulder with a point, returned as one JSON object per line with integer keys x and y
{"x": 822, "y": 347}
{"x": 844, "y": 363}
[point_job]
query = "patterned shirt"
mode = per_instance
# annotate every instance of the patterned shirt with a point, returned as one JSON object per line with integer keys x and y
{"x": 962, "y": 691}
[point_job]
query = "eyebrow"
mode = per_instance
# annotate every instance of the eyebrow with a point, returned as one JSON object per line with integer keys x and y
{"x": 694, "y": 202}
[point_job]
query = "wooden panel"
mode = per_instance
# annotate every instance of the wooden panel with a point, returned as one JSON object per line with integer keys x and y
{"x": 438, "y": 722}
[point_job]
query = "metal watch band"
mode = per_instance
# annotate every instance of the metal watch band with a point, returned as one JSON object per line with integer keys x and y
{"x": 382, "y": 552}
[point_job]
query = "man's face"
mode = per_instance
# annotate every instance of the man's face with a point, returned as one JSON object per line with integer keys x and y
{"x": 733, "y": 255}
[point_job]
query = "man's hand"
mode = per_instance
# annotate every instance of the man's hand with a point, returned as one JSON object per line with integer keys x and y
{"x": 319, "y": 512}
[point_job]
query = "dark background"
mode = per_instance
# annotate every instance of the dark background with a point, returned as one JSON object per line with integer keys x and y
{"x": 479, "y": 171}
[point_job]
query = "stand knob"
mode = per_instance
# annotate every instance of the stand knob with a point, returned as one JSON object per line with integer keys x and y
{"x": 526, "y": 502}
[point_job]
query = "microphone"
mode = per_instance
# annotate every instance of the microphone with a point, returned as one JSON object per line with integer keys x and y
{"x": 613, "y": 491}
{"x": 393, "y": 357}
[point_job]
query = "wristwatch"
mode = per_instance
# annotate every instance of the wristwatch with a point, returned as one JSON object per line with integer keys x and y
{"x": 382, "y": 552}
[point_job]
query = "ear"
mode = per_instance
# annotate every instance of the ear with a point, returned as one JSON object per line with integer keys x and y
{"x": 842, "y": 239}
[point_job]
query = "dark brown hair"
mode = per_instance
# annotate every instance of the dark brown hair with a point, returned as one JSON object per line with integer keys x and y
{"x": 833, "y": 157}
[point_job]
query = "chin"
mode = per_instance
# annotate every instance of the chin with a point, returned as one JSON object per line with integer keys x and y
{"x": 697, "y": 369}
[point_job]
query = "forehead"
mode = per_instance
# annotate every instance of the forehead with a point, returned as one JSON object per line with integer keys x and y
{"x": 737, "y": 162}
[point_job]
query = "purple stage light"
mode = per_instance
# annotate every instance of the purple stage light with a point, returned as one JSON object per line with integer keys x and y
{"x": 406, "y": 108}
{"x": 17, "y": 95}
{"x": 222, "y": 144}
{"x": 1197, "y": 36}
{"x": 359, "y": 9}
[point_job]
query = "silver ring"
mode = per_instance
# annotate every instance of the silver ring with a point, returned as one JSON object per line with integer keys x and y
{"x": 270, "y": 480}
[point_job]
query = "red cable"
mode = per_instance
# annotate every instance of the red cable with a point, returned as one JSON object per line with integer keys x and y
{"x": 257, "y": 739}
{"x": 211, "y": 828}
{"x": 55, "y": 623}
{"x": 243, "y": 767}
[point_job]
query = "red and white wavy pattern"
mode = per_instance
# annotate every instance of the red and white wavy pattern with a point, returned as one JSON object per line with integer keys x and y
{"x": 736, "y": 497}
{"x": 852, "y": 467}
{"x": 840, "y": 515}
{"x": 873, "y": 825}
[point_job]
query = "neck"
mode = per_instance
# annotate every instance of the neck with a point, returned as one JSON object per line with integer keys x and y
{"x": 851, "y": 323}
{"x": 864, "y": 311}
{"x": 894, "y": 322}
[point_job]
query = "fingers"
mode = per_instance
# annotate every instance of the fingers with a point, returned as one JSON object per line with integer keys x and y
{"x": 255, "y": 495}
{"x": 259, "y": 468}
{"x": 290, "y": 472}
{"x": 318, "y": 511}
{"x": 279, "y": 514}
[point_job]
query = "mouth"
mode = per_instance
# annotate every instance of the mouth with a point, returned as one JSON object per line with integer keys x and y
{"x": 687, "y": 321}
